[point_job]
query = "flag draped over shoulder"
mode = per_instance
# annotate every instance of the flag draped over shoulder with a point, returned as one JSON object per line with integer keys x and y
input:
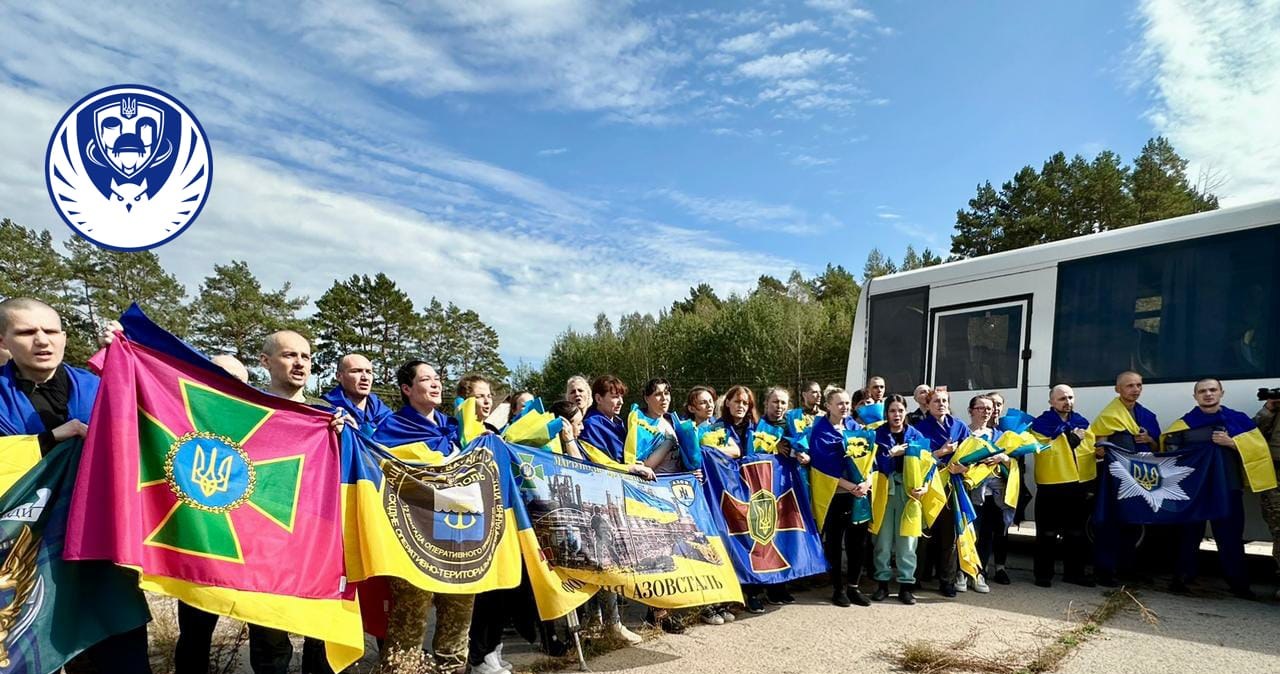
{"x": 50, "y": 610}
{"x": 204, "y": 484}
{"x": 1196, "y": 427}
{"x": 759, "y": 504}
{"x": 583, "y": 527}
{"x": 1187, "y": 485}
{"x": 1069, "y": 458}
{"x": 444, "y": 526}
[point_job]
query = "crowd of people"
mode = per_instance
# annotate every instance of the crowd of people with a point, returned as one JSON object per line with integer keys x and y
{"x": 43, "y": 396}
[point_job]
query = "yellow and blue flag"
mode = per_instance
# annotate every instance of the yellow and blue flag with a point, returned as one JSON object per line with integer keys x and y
{"x": 1196, "y": 427}
{"x": 582, "y": 527}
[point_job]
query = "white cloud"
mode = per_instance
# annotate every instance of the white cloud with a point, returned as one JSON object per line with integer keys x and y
{"x": 747, "y": 213}
{"x": 844, "y": 12}
{"x": 884, "y": 215}
{"x": 760, "y": 40}
{"x": 1215, "y": 69}
{"x": 790, "y": 65}
{"x": 812, "y": 161}
{"x": 552, "y": 151}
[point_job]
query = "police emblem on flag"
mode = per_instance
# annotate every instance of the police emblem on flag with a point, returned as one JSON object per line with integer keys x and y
{"x": 1152, "y": 478}
{"x": 128, "y": 167}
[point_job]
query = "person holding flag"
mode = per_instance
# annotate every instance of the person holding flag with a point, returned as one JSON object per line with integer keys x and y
{"x": 603, "y": 439}
{"x": 989, "y": 493}
{"x": 419, "y": 428}
{"x": 1125, "y": 423}
{"x": 1064, "y": 473}
{"x": 944, "y": 433}
{"x": 1248, "y": 464}
{"x": 354, "y": 394}
{"x": 835, "y": 496}
{"x": 800, "y": 419}
{"x": 896, "y": 513}
{"x": 43, "y": 397}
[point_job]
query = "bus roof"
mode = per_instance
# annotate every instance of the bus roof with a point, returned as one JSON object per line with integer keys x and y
{"x": 1257, "y": 214}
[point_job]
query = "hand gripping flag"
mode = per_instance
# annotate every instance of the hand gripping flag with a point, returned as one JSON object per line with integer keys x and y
{"x": 770, "y": 533}
{"x": 1250, "y": 445}
{"x": 583, "y": 527}
{"x": 51, "y": 609}
{"x": 204, "y": 484}
{"x": 796, "y": 428}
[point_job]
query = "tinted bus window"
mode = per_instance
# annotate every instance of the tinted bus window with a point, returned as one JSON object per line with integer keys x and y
{"x": 896, "y": 347}
{"x": 979, "y": 350}
{"x": 1172, "y": 313}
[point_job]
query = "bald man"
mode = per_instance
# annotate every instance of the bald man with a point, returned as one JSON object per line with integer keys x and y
{"x": 43, "y": 396}
{"x": 1125, "y": 423}
{"x": 921, "y": 396}
{"x": 354, "y": 393}
{"x": 286, "y": 355}
{"x": 1064, "y": 475}
{"x": 232, "y": 365}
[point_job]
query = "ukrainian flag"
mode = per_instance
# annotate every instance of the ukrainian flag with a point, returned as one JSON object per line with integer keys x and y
{"x": 535, "y": 427}
{"x": 1255, "y": 457}
{"x": 639, "y": 502}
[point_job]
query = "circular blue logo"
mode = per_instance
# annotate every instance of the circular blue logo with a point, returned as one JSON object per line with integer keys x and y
{"x": 128, "y": 167}
{"x": 209, "y": 472}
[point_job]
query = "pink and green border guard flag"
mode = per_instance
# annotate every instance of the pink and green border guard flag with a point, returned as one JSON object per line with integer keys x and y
{"x": 219, "y": 494}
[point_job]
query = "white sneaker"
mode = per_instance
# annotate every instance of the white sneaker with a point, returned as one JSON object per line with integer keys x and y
{"x": 619, "y": 630}
{"x": 980, "y": 584}
{"x": 711, "y": 617}
{"x": 497, "y": 653}
{"x": 489, "y": 666}
{"x": 962, "y": 585}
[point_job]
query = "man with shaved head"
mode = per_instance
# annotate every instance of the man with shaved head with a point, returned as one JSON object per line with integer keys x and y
{"x": 42, "y": 396}
{"x": 1064, "y": 473}
{"x": 1125, "y": 423}
{"x": 354, "y": 393}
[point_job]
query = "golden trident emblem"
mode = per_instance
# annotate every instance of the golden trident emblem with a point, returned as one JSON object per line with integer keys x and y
{"x": 203, "y": 473}
{"x": 1146, "y": 475}
{"x": 458, "y": 521}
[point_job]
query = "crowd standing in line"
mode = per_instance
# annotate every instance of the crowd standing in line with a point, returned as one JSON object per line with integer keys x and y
{"x": 43, "y": 396}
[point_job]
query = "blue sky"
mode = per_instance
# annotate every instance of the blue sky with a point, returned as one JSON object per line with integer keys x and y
{"x": 541, "y": 162}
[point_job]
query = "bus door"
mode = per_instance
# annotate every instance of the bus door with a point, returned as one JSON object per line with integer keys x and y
{"x": 979, "y": 347}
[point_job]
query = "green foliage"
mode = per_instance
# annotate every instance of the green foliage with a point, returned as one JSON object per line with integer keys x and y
{"x": 457, "y": 342}
{"x": 877, "y": 265}
{"x": 371, "y": 317}
{"x": 780, "y": 333}
{"x": 232, "y": 314}
{"x": 110, "y": 281}
{"x": 1076, "y": 197}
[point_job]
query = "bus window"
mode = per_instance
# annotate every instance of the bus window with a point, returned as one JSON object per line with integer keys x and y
{"x": 979, "y": 349}
{"x": 896, "y": 348}
{"x": 1172, "y": 313}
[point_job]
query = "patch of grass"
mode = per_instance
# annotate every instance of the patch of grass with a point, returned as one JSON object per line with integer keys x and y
{"x": 928, "y": 657}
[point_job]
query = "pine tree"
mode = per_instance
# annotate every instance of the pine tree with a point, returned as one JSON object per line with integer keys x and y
{"x": 369, "y": 316}
{"x": 232, "y": 314}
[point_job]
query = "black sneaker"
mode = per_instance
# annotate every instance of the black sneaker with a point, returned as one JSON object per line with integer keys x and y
{"x": 672, "y": 625}
{"x": 839, "y": 598}
{"x": 778, "y": 595}
{"x": 1179, "y": 586}
{"x": 1040, "y": 582}
{"x": 881, "y": 593}
{"x": 856, "y": 596}
{"x": 947, "y": 590}
{"x": 755, "y": 604}
{"x": 1001, "y": 577}
{"x": 905, "y": 596}
{"x": 1105, "y": 579}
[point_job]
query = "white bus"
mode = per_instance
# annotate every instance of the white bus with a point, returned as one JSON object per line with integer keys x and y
{"x": 1174, "y": 300}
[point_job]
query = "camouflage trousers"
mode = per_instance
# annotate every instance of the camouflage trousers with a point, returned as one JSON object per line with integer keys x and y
{"x": 407, "y": 624}
{"x": 1271, "y": 514}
